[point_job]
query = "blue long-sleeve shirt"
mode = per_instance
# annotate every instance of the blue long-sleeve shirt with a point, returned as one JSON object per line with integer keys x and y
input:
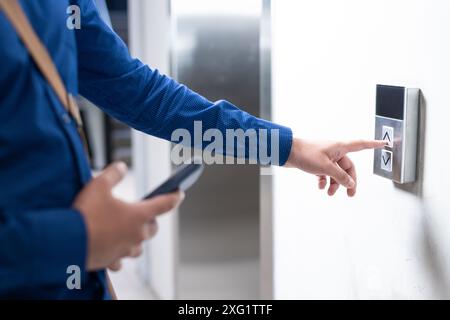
{"x": 42, "y": 162}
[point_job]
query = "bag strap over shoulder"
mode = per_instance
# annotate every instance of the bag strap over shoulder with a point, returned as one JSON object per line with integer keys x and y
{"x": 41, "y": 57}
{"x": 14, "y": 12}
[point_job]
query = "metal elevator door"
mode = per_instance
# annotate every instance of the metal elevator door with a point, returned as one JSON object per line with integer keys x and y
{"x": 215, "y": 52}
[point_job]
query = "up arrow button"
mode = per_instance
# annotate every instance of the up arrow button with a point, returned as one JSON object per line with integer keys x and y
{"x": 387, "y": 134}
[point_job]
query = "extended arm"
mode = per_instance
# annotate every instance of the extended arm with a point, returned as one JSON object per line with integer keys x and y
{"x": 148, "y": 101}
{"x": 151, "y": 102}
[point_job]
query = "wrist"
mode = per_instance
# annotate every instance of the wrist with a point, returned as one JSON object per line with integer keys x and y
{"x": 292, "y": 161}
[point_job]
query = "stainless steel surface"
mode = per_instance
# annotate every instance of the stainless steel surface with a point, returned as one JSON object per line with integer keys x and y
{"x": 411, "y": 135}
{"x": 266, "y": 217}
{"x": 217, "y": 55}
{"x": 397, "y": 149}
{"x": 404, "y": 150}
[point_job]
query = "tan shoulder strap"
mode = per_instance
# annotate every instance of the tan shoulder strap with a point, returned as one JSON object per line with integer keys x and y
{"x": 40, "y": 55}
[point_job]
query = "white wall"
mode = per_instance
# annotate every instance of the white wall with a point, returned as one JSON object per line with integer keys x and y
{"x": 150, "y": 36}
{"x": 389, "y": 241}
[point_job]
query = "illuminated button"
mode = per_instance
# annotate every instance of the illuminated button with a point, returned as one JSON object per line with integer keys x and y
{"x": 387, "y": 134}
{"x": 386, "y": 160}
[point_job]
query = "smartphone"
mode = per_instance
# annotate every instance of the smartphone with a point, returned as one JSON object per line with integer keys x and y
{"x": 183, "y": 178}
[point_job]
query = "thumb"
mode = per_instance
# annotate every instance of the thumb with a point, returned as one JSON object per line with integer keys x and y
{"x": 113, "y": 174}
{"x": 342, "y": 177}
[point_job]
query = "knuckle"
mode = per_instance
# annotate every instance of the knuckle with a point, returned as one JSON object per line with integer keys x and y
{"x": 345, "y": 178}
{"x": 337, "y": 148}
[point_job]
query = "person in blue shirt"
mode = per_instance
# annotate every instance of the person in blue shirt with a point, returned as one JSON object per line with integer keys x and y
{"x": 53, "y": 214}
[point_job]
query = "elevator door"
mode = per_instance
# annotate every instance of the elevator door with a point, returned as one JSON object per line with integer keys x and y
{"x": 215, "y": 52}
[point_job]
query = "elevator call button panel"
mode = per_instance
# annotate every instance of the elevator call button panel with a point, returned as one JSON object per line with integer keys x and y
{"x": 397, "y": 122}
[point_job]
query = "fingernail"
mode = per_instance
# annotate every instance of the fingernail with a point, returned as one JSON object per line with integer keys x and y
{"x": 122, "y": 167}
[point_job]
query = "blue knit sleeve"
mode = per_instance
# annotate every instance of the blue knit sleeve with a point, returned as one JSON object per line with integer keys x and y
{"x": 153, "y": 103}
